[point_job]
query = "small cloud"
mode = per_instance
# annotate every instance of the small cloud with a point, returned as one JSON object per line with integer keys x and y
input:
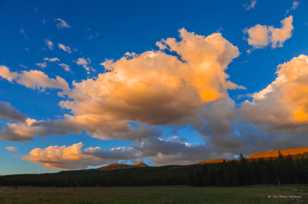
{"x": 260, "y": 36}
{"x": 65, "y": 67}
{"x": 92, "y": 34}
{"x": 23, "y": 33}
{"x": 65, "y": 48}
{"x": 295, "y": 5}
{"x": 250, "y": 5}
{"x": 49, "y": 44}
{"x": 85, "y": 63}
{"x": 42, "y": 64}
{"x": 11, "y": 149}
{"x": 51, "y": 59}
{"x": 62, "y": 24}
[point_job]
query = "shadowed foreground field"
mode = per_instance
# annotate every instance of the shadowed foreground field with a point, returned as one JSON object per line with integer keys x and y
{"x": 154, "y": 195}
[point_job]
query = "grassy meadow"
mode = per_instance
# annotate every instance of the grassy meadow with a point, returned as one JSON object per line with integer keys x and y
{"x": 154, "y": 195}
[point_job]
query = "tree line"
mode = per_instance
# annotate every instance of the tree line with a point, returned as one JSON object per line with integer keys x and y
{"x": 276, "y": 171}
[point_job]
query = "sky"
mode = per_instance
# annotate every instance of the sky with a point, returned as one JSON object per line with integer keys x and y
{"x": 86, "y": 84}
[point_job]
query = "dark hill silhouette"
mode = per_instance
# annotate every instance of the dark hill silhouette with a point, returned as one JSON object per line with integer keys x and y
{"x": 116, "y": 166}
{"x": 291, "y": 168}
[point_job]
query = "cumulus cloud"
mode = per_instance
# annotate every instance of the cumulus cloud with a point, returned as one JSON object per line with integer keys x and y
{"x": 33, "y": 79}
{"x": 63, "y": 157}
{"x": 11, "y": 149}
{"x": 160, "y": 151}
{"x": 184, "y": 82}
{"x": 65, "y": 48}
{"x": 76, "y": 156}
{"x": 62, "y": 24}
{"x": 283, "y": 104}
{"x": 183, "y": 86}
{"x": 260, "y": 36}
{"x": 125, "y": 103}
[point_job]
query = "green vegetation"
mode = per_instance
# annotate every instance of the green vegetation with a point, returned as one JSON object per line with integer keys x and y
{"x": 154, "y": 195}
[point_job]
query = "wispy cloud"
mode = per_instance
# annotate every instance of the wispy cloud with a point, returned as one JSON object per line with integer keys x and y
{"x": 11, "y": 149}
{"x": 42, "y": 64}
{"x": 62, "y": 24}
{"x": 250, "y": 5}
{"x": 65, "y": 67}
{"x": 52, "y": 59}
{"x": 65, "y": 48}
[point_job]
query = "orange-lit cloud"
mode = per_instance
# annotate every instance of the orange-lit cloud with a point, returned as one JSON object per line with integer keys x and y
{"x": 63, "y": 157}
{"x": 154, "y": 87}
{"x": 33, "y": 79}
{"x": 284, "y": 102}
{"x": 159, "y": 150}
{"x": 76, "y": 156}
{"x": 184, "y": 82}
{"x": 262, "y": 35}
{"x": 23, "y": 130}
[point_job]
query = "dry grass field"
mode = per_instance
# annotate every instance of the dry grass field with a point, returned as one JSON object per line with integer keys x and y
{"x": 154, "y": 195}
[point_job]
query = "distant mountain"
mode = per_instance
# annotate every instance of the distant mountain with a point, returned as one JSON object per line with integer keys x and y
{"x": 139, "y": 165}
{"x": 116, "y": 166}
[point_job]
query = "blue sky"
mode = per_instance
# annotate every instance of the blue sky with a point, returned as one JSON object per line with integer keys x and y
{"x": 100, "y": 30}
